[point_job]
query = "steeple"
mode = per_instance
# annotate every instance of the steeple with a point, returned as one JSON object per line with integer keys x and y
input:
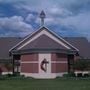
{"x": 42, "y": 16}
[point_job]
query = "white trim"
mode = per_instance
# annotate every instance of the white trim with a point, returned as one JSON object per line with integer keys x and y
{"x": 48, "y": 30}
{"x": 38, "y": 76}
{"x": 82, "y": 72}
{"x": 38, "y": 62}
{"x": 29, "y": 62}
{"x": 49, "y": 35}
{"x": 3, "y": 73}
{"x": 46, "y": 56}
{"x": 24, "y": 39}
{"x": 62, "y": 39}
{"x": 59, "y": 61}
{"x": 37, "y": 31}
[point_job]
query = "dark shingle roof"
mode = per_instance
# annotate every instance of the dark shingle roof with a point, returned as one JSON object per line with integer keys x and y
{"x": 40, "y": 30}
{"x": 5, "y": 44}
{"x": 79, "y": 42}
{"x": 82, "y": 44}
{"x": 43, "y": 42}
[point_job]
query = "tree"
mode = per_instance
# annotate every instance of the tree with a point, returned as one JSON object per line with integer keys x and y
{"x": 8, "y": 66}
{"x": 82, "y": 64}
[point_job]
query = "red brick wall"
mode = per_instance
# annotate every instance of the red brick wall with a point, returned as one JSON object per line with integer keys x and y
{"x": 29, "y": 67}
{"x": 59, "y": 67}
{"x": 59, "y": 63}
{"x": 58, "y": 57}
{"x": 53, "y": 57}
{"x": 29, "y": 63}
{"x": 29, "y": 57}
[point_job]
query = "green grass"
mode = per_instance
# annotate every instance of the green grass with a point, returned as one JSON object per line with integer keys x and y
{"x": 55, "y": 84}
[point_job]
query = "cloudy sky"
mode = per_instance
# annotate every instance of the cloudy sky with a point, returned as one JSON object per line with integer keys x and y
{"x": 65, "y": 17}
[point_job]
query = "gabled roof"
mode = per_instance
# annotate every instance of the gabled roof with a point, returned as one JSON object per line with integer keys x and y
{"x": 43, "y": 42}
{"x": 8, "y": 42}
{"x": 34, "y": 38}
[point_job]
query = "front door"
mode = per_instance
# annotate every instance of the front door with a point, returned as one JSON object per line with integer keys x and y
{"x": 44, "y": 65}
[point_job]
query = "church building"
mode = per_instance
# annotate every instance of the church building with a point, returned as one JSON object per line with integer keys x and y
{"x": 44, "y": 54}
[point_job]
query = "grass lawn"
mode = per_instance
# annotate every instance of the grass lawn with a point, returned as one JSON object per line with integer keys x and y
{"x": 55, "y": 84}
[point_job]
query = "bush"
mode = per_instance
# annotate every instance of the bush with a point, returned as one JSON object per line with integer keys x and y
{"x": 86, "y": 75}
{"x": 16, "y": 74}
{"x": 79, "y": 75}
{"x": 82, "y": 64}
{"x": 3, "y": 77}
{"x": 69, "y": 75}
{"x": 9, "y": 75}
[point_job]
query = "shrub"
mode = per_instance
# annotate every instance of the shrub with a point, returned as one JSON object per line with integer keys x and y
{"x": 79, "y": 75}
{"x": 82, "y": 64}
{"x": 8, "y": 66}
{"x": 86, "y": 75}
{"x": 69, "y": 75}
{"x": 16, "y": 74}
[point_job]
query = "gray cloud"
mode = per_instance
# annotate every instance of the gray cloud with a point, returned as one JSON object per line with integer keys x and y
{"x": 68, "y": 13}
{"x": 30, "y": 17}
{"x": 81, "y": 22}
{"x": 15, "y": 25}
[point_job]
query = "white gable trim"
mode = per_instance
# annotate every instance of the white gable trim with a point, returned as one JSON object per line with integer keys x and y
{"x": 62, "y": 39}
{"x": 24, "y": 39}
{"x": 46, "y": 33}
{"x": 37, "y": 31}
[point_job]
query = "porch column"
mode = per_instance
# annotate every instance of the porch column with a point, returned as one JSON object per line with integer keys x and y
{"x": 13, "y": 64}
{"x": 70, "y": 63}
